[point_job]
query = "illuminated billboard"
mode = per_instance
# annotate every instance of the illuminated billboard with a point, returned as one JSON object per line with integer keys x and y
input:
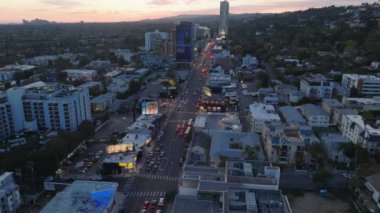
{"x": 119, "y": 148}
{"x": 184, "y": 42}
{"x": 149, "y": 107}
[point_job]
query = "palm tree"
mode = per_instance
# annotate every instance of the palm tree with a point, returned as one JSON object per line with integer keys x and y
{"x": 251, "y": 153}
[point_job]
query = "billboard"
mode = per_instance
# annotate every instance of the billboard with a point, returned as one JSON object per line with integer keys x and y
{"x": 149, "y": 108}
{"x": 119, "y": 148}
{"x": 184, "y": 42}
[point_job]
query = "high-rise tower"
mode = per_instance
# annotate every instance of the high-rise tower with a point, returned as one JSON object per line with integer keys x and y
{"x": 224, "y": 12}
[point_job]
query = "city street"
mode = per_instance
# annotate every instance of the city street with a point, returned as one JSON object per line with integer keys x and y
{"x": 147, "y": 186}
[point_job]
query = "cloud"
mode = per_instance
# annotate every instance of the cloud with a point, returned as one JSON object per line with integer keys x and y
{"x": 62, "y": 3}
{"x": 161, "y": 2}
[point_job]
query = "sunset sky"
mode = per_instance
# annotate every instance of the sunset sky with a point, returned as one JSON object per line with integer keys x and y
{"x": 13, "y": 11}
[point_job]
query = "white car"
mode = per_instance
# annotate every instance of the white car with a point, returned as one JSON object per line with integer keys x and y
{"x": 161, "y": 202}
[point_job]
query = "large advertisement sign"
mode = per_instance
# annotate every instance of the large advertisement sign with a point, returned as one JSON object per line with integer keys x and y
{"x": 149, "y": 108}
{"x": 119, "y": 148}
{"x": 184, "y": 41}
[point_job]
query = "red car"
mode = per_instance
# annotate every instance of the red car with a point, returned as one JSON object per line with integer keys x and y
{"x": 146, "y": 204}
{"x": 153, "y": 204}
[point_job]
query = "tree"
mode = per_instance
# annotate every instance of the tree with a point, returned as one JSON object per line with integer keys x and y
{"x": 317, "y": 152}
{"x": 87, "y": 129}
{"x": 354, "y": 151}
{"x": 222, "y": 161}
{"x": 322, "y": 176}
{"x": 300, "y": 159}
{"x": 251, "y": 153}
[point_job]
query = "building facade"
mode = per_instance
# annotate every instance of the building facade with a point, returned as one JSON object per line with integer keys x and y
{"x": 49, "y": 108}
{"x": 261, "y": 114}
{"x": 10, "y": 199}
{"x": 156, "y": 41}
{"x": 315, "y": 115}
{"x": 317, "y": 87}
{"x": 367, "y": 85}
{"x": 224, "y": 13}
{"x": 184, "y": 42}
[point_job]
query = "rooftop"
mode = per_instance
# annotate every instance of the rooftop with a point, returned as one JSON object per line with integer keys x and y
{"x": 291, "y": 115}
{"x": 144, "y": 122}
{"x": 139, "y": 139}
{"x": 231, "y": 144}
{"x": 332, "y": 102}
{"x": 315, "y": 78}
{"x": 313, "y": 110}
{"x": 17, "y": 67}
{"x": 120, "y": 158}
{"x": 221, "y": 121}
{"x": 90, "y": 84}
{"x": 334, "y": 138}
{"x": 83, "y": 196}
{"x": 190, "y": 204}
{"x": 263, "y": 112}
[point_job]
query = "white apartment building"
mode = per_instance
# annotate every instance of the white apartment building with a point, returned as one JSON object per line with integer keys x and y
{"x": 6, "y": 122}
{"x": 317, "y": 87}
{"x": 10, "y": 199}
{"x": 315, "y": 115}
{"x": 261, "y": 114}
{"x": 155, "y": 41}
{"x": 352, "y": 126}
{"x": 365, "y": 84}
{"x": 81, "y": 74}
{"x": 50, "y": 107}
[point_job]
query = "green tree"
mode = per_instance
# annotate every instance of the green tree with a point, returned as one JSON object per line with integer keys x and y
{"x": 322, "y": 176}
{"x": 251, "y": 153}
{"x": 87, "y": 129}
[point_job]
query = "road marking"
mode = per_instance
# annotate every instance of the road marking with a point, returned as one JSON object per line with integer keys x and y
{"x": 159, "y": 177}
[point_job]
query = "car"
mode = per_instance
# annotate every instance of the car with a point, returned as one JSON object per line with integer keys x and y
{"x": 158, "y": 211}
{"x": 153, "y": 204}
{"x": 146, "y": 204}
{"x": 143, "y": 210}
{"x": 161, "y": 202}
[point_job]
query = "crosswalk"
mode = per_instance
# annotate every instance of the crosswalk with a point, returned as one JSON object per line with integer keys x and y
{"x": 145, "y": 194}
{"x": 176, "y": 121}
{"x": 129, "y": 185}
{"x": 158, "y": 177}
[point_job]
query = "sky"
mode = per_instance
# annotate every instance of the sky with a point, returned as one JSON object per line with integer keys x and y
{"x": 14, "y": 11}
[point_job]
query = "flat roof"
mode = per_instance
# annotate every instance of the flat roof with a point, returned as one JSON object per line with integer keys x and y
{"x": 77, "y": 197}
{"x": 313, "y": 110}
{"x": 221, "y": 141}
{"x": 190, "y": 204}
{"x": 120, "y": 158}
{"x": 139, "y": 139}
{"x": 221, "y": 121}
{"x": 291, "y": 115}
{"x": 263, "y": 112}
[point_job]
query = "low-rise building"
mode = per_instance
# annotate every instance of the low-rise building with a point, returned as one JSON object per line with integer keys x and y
{"x": 217, "y": 121}
{"x": 317, "y": 87}
{"x": 338, "y": 116}
{"x": 292, "y": 116}
{"x": 333, "y": 143}
{"x": 102, "y": 102}
{"x": 352, "y": 126}
{"x": 120, "y": 83}
{"x": 10, "y": 198}
{"x": 282, "y": 143}
{"x": 315, "y": 115}
{"x": 296, "y": 96}
{"x": 261, "y": 114}
{"x": 232, "y": 145}
{"x": 89, "y": 196}
{"x": 366, "y": 104}
{"x": 373, "y": 185}
{"x": 242, "y": 186}
{"x": 368, "y": 85}
{"x": 80, "y": 74}
{"x": 330, "y": 105}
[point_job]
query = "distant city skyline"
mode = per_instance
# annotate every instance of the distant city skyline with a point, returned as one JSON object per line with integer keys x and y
{"x": 122, "y": 10}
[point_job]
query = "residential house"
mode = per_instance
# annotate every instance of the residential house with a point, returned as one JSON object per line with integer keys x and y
{"x": 316, "y": 87}
{"x": 315, "y": 115}
{"x": 261, "y": 114}
{"x": 333, "y": 143}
